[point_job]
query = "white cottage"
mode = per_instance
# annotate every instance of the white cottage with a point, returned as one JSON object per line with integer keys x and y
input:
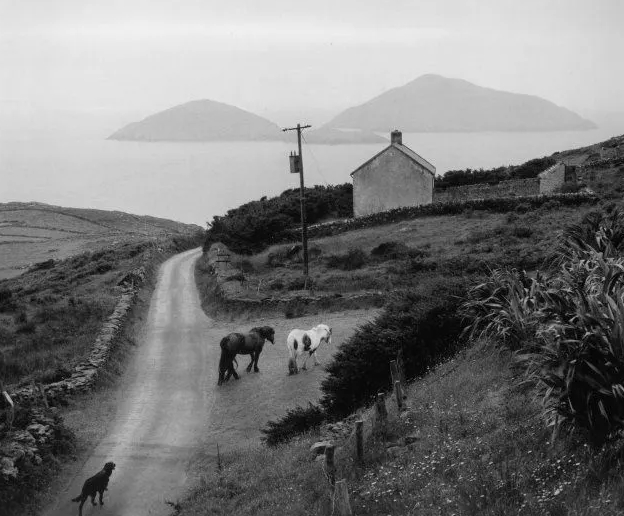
{"x": 393, "y": 178}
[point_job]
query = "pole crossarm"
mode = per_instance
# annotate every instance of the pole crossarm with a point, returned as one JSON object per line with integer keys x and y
{"x": 299, "y": 127}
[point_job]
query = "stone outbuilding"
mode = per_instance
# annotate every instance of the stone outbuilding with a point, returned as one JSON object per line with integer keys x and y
{"x": 553, "y": 178}
{"x": 393, "y": 178}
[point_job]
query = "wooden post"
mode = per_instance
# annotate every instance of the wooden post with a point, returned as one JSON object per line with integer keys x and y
{"x": 394, "y": 371}
{"x": 359, "y": 440}
{"x": 401, "y": 368}
{"x": 43, "y": 395}
{"x": 330, "y": 466}
{"x": 382, "y": 413}
{"x": 11, "y": 414}
{"x": 342, "y": 505}
{"x": 398, "y": 395}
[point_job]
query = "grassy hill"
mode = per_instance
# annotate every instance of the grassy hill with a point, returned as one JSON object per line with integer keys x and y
{"x": 36, "y": 232}
{"x": 61, "y": 269}
{"x": 474, "y": 440}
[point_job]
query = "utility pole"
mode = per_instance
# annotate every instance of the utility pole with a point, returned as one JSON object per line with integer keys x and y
{"x": 296, "y": 166}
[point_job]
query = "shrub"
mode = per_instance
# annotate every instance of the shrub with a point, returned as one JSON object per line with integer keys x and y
{"x": 566, "y": 328}
{"x": 295, "y": 422}
{"x": 277, "y": 284}
{"x": 351, "y": 260}
{"x": 426, "y": 329}
{"x": 294, "y": 308}
{"x": 522, "y": 231}
{"x": 395, "y": 251}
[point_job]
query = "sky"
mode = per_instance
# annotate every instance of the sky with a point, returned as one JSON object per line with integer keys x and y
{"x": 290, "y": 60}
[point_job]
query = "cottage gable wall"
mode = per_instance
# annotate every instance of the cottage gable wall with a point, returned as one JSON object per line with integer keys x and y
{"x": 390, "y": 180}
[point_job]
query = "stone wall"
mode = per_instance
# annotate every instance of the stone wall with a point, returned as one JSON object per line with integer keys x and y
{"x": 85, "y": 372}
{"x": 510, "y": 188}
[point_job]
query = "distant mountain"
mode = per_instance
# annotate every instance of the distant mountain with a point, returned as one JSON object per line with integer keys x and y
{"x": 433, "y": 103}
{"x": 201, "y": 120}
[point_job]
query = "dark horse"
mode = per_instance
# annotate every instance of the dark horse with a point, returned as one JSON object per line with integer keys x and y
{"x": 243, "y": 344}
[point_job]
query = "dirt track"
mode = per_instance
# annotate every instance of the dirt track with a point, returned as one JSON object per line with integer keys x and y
{"x": 171, "y": 404}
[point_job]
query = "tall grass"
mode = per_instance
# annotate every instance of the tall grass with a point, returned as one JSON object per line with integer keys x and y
{"x": 566, "y": 327}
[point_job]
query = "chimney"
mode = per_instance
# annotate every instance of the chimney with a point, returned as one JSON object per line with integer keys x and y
{"x": 396, "y": 137}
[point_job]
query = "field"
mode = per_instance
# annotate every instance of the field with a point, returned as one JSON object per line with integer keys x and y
{"x": 478, "y": 443}
{"x": 35, "y": 232}
{"x": 61, "y": 268}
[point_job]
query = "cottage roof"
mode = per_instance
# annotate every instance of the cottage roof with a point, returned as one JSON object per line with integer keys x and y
{"x": 544, "y": 173}
{"x": 405, "y": 150}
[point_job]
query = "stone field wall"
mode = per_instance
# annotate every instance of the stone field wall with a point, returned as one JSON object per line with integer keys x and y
{"x": 510, "y": 188}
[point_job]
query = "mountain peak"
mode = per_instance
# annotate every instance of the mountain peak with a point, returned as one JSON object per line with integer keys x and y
{"x": 200, "y": 120}
{"x": 433, "y": 103}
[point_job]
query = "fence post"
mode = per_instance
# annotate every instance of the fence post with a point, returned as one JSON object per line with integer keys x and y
{"x": 43, "y": 395}
{"x": 11, "y": 414}
{"x": 401, "y": 368}
{"x": 398, "y": 395}
{"x": 359, "y": 440}
{"x": 341, "y": 499}
{"x": 382, "y": 412}
{"x": 330, "y": 466}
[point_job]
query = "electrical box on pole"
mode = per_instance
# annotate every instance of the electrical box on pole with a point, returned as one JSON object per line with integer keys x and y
{"x": 295, "y": 163}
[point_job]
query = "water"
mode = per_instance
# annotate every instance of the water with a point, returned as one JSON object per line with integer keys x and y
{"x": 192, "y": 182}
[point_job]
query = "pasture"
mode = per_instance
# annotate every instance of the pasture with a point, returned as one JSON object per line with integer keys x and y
{"x": 33, "y": 232}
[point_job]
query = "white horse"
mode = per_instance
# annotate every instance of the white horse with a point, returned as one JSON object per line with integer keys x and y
{"x": 306, "y": 342}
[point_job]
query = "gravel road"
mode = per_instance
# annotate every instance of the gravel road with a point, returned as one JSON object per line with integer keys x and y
{"x": 171, "y": 404}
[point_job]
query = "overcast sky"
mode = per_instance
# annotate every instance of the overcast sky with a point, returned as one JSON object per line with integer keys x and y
{"x": 277, "y": 57}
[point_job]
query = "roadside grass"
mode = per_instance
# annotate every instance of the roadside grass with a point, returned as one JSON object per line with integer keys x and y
{"x": 50, "y": 315}
{"x": 480, "y": 449}
{"x": 87, "y": 417}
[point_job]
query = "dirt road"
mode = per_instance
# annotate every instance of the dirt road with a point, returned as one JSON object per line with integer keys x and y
{"x": 171, "y": 404}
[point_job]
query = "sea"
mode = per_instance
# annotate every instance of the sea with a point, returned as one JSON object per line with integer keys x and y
{"x": 193, "y": 182}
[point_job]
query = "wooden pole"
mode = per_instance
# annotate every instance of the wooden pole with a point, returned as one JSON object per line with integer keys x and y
{"x": 43, "y": 395}
{"x": 382, "y": 413}
{"x": 330, "y": 466}
{"x": 398, "y": 395}
{"x": 401, "y": 368}
{"x": 342, "y": 506}
{"x": 304, "y": 227}
{"x": 11, "y": 413}
{"x": 359, "y": 440}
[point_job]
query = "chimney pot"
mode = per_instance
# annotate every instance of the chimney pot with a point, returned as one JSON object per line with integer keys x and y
{"x": 396, "y": 137}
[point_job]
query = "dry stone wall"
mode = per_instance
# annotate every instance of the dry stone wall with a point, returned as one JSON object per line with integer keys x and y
{"x": 510, "y": 188}
{"x": 86, "y": 372}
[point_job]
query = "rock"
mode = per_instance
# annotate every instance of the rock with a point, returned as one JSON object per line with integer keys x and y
{"x": 396, "y": 451}
{"x": 319, "y": 447}
{"x": 413, "y": 437}
{"x": 7, "y": 468}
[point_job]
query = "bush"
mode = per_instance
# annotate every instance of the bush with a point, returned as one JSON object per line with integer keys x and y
{"x": 294, "y": 309}
{"x": 523, "y": 207}
{"x": 425, "y": 329}
{"x": 277, "y": 284}
{"x": 351, "y": 260}
{"x": 295, "y": 422}
{"x": 566, "y": 327}
{"x": 395, "y": 251}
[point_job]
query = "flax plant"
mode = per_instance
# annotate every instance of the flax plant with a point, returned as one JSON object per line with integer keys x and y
{"x": 566, "y": 328}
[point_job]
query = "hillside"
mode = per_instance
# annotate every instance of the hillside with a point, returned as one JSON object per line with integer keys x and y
{"x": 36, "y": 232}
{"x": 200, "y": 120}
{"x": 432, "y": 103}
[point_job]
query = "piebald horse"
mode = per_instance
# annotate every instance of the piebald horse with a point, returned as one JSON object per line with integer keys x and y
{"x": 306, "y": 342}
{"x": 243, "y": 344}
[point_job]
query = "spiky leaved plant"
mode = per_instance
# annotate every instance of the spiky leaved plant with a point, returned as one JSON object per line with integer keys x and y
{"x": 566, "y": 328}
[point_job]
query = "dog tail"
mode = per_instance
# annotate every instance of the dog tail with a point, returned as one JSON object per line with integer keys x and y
{"x": 77, "y": 499}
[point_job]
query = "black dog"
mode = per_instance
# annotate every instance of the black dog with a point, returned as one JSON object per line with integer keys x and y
{"x": 98, "y": 483}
